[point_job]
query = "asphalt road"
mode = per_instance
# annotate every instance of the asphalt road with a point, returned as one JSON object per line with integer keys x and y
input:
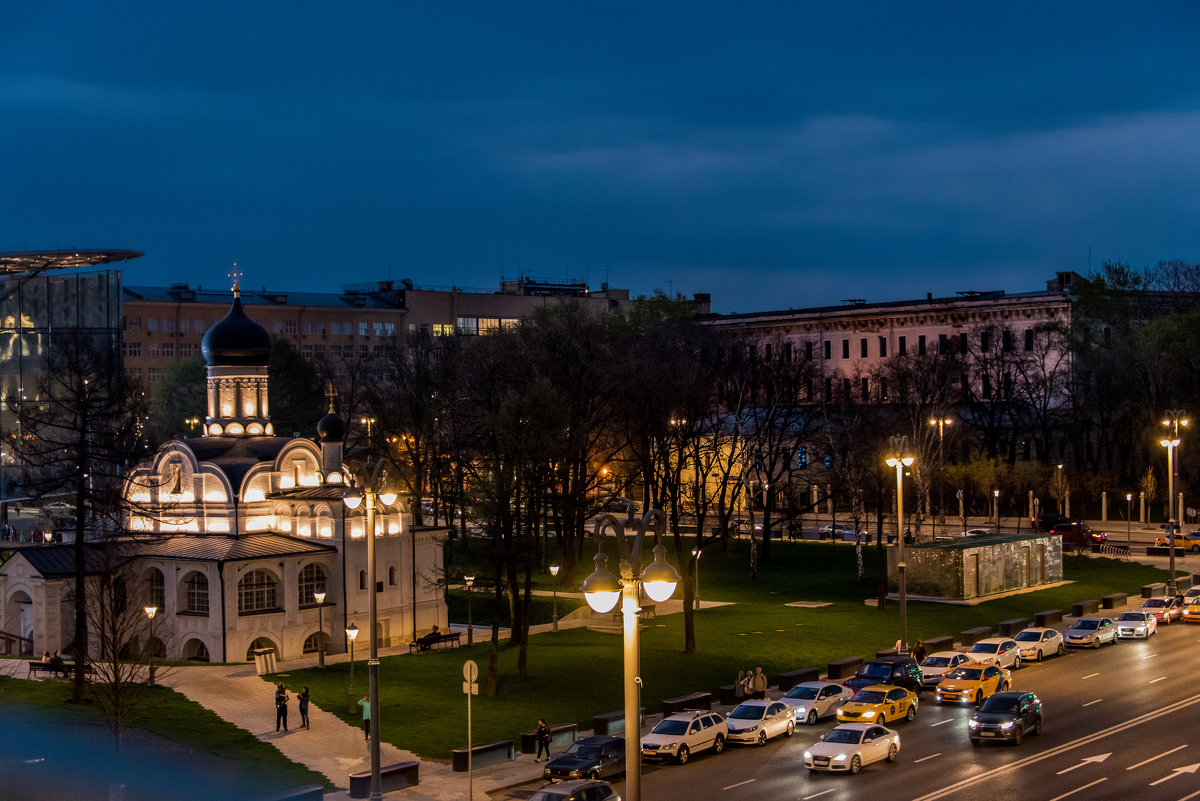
{"x": 1122, "y": 722}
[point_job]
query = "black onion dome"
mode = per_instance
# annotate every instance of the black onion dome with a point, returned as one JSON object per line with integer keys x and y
{"x": 331, "y": 428}
{"x": 236, "y": 339}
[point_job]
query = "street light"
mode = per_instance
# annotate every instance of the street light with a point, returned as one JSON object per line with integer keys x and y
{"x": 320, "y": 599}
{"x": 352, "y": 635}
{"x": 941, "y": 423}
{"x": 1129, "y": 522}
{"x": 151, "y": 611}
{"x": 696, "y": 587}
{"x": 1173, "y": 420}
{"x": 470, "y": 629}
{"x": 996, "y": 502}
{"x": 602, "y": 590}
{"x": 899, "y": 460}
{"x": 554, "y": 568}
{"x": 352, "y": 497}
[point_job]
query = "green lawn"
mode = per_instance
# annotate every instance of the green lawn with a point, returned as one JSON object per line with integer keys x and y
{"x": 576, "y": 674}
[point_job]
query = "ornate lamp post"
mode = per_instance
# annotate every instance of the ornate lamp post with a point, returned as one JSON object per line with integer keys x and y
{"x": 602, "y": 590}
{"x": 941, "y": 423}
{"x": 1172, "y": 421}
{"x": 351, "y": 635}
{"x": 352, "y": 498}
{"x": 319, "y": 597}
{"x": 1129, "y": 521}
{"x": 696, "y": 587}
{"x": 470, "y": 580}
{"x": 900, "y": 460}
{"x": 151, "y": 611}
{"x": 554, "y": 568}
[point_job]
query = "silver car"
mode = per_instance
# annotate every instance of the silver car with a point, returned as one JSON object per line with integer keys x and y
{"x": 1091, "y": 632}
{"x": 1136, "y": 625}
{"x": 1037, "y": 643}
{"x": 814, "y": 700}
{"x": 758, "y": 721}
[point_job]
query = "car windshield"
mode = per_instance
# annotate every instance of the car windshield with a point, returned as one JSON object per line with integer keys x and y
{"x": 1000, "y": 704}
{"x": 1028, "y": 636}
{"x": 936, "y": 661}
{"x": 844, "y": 736}
{"x": 1154, "y": 603}
{"x": 672, "y": 727}
{"x": 985, "y": 648}
{"x": 748, "y": 712}
{"x": 803, "y": 693}
{"x": 965, "y": 674}
{"x": 548, "y": 795}
{"x": 868, "y": 697}
{"x": 875, "y": 670}
{"x": 1086, "y": 625}
{"x": 585, "y": 750}
{"x": 1138, "y": 616}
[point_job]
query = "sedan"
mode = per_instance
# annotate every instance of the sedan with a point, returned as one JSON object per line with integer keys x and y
{"x": 588, "y": 758}
{"x": 1035, "y": 643}
{"x": 937, "y": 665}
{"x": 852, "y": 745}
{"x": 1190, "y": 541}
{"x": 1191, "y": 612}
{"x": 1165, "y": 609}
{"x": 814, "y": 700}
{"x": 577, "y": 791}
{"x": 838, "y": 531}
{"x": 970, "y": 684}
{"x": 879, "y": 703}
{"x": 996, "y": 651}
{"x": 1136, "y": 625}
{"x": 1006, "y": 716}
{"x": 758, "y": 721}
{"x": 1091, "y": 632}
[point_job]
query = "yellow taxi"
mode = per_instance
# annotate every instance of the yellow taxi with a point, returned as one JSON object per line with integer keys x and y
{"x": 1191, "y": 612}
{"x": 970, "y": 684}
{"x": 879, "y": 703}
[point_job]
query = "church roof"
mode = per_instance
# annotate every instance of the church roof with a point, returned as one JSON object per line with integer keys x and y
{"x": 236, "y": 339}
{"x": 325, "y": 492}
{"x": 236, "y": 455}
{"x": 217, "y": 548}
{"x": 58, "y": 560}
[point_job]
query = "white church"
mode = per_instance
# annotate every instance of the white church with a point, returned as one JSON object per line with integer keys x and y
{"x": 237, "y": 533}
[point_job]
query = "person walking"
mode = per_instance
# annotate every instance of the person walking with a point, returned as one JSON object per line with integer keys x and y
{"x": 302, "y": 702}
{"x": 281, "y": 702}
{"x": 739, "y": 687}
{"x": 365, "y": 703}
{"x": 760, "y": 684}
{"x": 918, "y": 652}
{"x": 543, "y": 740}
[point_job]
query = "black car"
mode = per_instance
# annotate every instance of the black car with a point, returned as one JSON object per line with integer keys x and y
{"x": 1006, "y": 716}
{"x": 588, "y": 758}
{"x": 1047, "y": 521}
{"x": 577, "y": 791}
{"x": 901, "y": 671}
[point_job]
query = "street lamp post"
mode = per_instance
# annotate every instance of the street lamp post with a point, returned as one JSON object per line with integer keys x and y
{"x": 941, "y": 423}
{"x": 602, "y": 590}
{"x": 151, "y": 611}
{"x": 696, "y": 588}
{"x": 352, "y": 635}
{"x": 554, "y": 568}
{"x": 470, "y": 580}
{"x": 996, "y": 496}
{"x": 1129, "y": 522}
{"x": 319, "y": 597}
{"x": 352, "y": 498}
{"x": 900, "y": 460}
{"x": 1173, "y": 420}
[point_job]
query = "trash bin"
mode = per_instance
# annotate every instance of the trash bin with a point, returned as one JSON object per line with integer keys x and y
{"x": 264, "y": 660}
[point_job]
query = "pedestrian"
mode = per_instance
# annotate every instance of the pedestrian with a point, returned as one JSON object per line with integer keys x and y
{"x": 918, "y": 652}
{"x": 739, "y": 687}
{"x": 748, "y": 684}
{"x": 365, "y": 703}
{"x": 302, "y": 700}
{"x": 543, "y": 740}
{"x": 281, "y": 702}
{"x": 760, "y": 684}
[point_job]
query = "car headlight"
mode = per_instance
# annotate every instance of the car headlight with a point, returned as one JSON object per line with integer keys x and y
{"x": 840, "y": 758}
{"x": 1009, "y": 725}
{"x": 669, "y": 746}
{"x": 972, "y": 724}
{"x": 800, "y": 710}
{"x": 808, "y": 754}
{"x": 575, "y": 774}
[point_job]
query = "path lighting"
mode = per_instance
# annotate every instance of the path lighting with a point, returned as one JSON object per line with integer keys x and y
{"x": 470, "y": 580}
{"x": 1172, "y": 421}
{"x": 996, "y": 496}
{"x": 352, "y": 497}
{"x": 554, "y": 568}
{"x": 941, "y": 423}
{"x": 1129, "y": 521}
{"x": 319, "y": 597}
{"x": 696, "y": 587}
{"x": 602, "y": 590}
{"x": 151, "y": 611}
{"x": 351, "y": 636}
{"x": 900, "y": 459}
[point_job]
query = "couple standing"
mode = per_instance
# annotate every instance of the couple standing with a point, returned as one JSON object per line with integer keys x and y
{"x": 281, "y": 707}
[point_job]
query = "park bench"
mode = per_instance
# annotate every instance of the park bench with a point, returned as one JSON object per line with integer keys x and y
{"x": 1113, "y": 600}
{"x": 396, "y": 776}
{"x": 843, "y": 668}
{"x": 698, "y": 700}
{"x": 430, "y": 641}
{"x": 613, "y": 723}
{"x": 790, "y": 678}
{"x": 65, "y": 669}
{"x": 1013, "y": 625}
{"x": 1047, "y": 618}
{"x": 483, "y": 754}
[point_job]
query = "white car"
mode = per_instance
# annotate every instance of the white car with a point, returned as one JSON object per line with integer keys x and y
{"x": 1191, "y": 595}
{"x": 979, "y": 532}
{"x": 1037, "y": 643}
{"x": 838, "y": 531}
{"x": 852, "y": 745}
{"x": 758, "y": 721}
{"x": 677, "y": 737}
{"x": 814, "y": 700}
{"x": 996, "y": 651}
{"x": 936, "y": 665}
{"x": 1136, "y": 625}
{"x": 1091, "y": 632}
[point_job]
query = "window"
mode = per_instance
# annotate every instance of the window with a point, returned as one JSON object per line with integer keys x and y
{"x": 787, "y": 352}
{"x": 277, "y": 326}
{"x": 866, "y": 388}
{"x": 883, "y": 394}
{"x": 770, "y": 352}
{"x": 808, "y": 351}
{"x": 883, "y": 347}
{"x": 921, "y": 345}
{"x": 306, "y": 351}
{"x": 362, "y": 579}
{"x": 185, "y": 325}
{"x": 151, "y": 323}
{"x": 289, "y": 327}
{"x": 186, "y": 349}
{"x": 1028, "y": 339}
{"x": 312, "y": 580}
{"x": 154, "y": 350}
{"x": 362, "y": 328}
{"x": 168, "y": 325}
{"x": 489, "y": 325}
{"x": 1006, "y": 343}
{"x": 985, "y": 341}
{"x": 155, "y": 589}
{"x": 468, "y": 325}
{"x": 862, "y": 348}
{"x": 828, "y": 350}
{"x": 846, "y": 389}
{"x": 962, "y": 343}
{"x": 802, "y": 457}
{"x": 153, "y": 374}
{"x": 829, "y": 389}
{"x": 168, "y": 350}
{"x": 845, "y": 349}
{"x": 257, "y": 593}
{"x": 196, "y": 592}
{"x": 133, "y": 323}
{"x": 987, "y": 386}
{"x": 808, "y": 388}
{"x": 424, "y": 329}
{"x": 135, "y": 348}
{"x": 943, "y": 344}
{"x": 377, "y": 327}
{"x": 312, "y": 644}
{"x": 902, "y": 345}
{"x": 389, "y": 329}
{"x": 391, "y": 577}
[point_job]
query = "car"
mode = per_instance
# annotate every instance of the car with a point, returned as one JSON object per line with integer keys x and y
{"x": 1048, "y": 520}
{"x": 978, "y": 532}
{"x": 1191, "y": 596}
{"x": 742, "y": 526}
{"x": 1191, "y": 612}
{"x": 1189, "y": 541}
{"x": 850, "y": 746}
{"x": 1091, "y": 632}
{"x": 677, "y": 737}
{"x": 937, "y": 665}
{"x": 577, "y": 791}
{"x": 1079, "y": 535}
{"x": 1165, "y": 609}
{"x": 814, "y": 700}
{"x": 59, "y": 509}
{"x": 1006, "y": 716}
{"x": 1037, "y": 642}
{"x": 619, "y": 504}
{"x": 1136, "y": 625}
{"x": 588, "y": 758}
{"x": 996, "y": 651}
{"x": 879, "y": 703}
{"x": 899, "y": 671}
{"x": 756, "y": 722}
{"x": 970, "y": 684}
{"x": 838, "y": 531}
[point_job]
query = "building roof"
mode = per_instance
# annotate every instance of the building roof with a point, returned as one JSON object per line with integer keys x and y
{"x": 182, "y": 293}
{"x": 58, "y": 560}
{"x": 221, "y": 548}
{"x": 236, "y": 455}
{"x": 236, "y": 339}
{"x": 32, "y": 262}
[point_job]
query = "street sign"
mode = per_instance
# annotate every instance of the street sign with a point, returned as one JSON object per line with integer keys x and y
{"x": 470, "y": 674}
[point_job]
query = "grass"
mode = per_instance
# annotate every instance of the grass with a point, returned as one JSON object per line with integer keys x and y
{"x": 576, "y": 674}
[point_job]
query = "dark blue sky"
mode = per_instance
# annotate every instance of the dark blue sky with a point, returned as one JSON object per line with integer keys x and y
{"x": 773, "y": 154}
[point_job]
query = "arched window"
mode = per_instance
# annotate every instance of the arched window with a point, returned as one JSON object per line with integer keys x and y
{"x": 196, "y": 593}
{"x": 313, "y": 643}
{"x": 195, "y": 651}
{"x": 156, "y": 595}
{"x": 312, "y": 581}
{"x": 362, "y": 579}
{"x": 257, "y": 592}
{"x": 259, "y": 643}
{"x": 392, "y": 576}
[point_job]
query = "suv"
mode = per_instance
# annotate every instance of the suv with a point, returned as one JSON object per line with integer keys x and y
{"x": 588, "y": 758}
{"x": 676, "y": 737}
{"x": 1079, "y": 535}
{"x": 1048, "y": 520}
{"x": 900, "y": 671}
{"x": 1006, "y": 716}
{"x": 577, "y": 791}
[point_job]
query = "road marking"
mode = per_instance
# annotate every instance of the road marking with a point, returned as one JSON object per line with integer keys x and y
{"x": 941, "y": 722}
{"x": 1160, "y": 756}
{"x": 1177, "y": 771}
{"x": 1148, "y": 656}
{"x": 1089, "y": 676}
{"x": 1085, "y": 761}
{"x": 818, "y": 795}
{"x": 1098, "y": 700}
{"x": 1077, "y": 789}
{"x": 931, "y": 756}
{"x": 1190, "y": 796}
{"x": 739, "y": 784}
{"x": 1154, "y": 681}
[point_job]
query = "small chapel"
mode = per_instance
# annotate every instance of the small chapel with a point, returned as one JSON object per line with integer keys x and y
{"x": 241, "y": 537}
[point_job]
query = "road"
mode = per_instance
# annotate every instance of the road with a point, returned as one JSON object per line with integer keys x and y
{"x": 1121, "y": 722}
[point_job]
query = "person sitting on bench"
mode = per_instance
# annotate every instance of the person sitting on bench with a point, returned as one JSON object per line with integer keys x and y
{"x": 429, "y": 639}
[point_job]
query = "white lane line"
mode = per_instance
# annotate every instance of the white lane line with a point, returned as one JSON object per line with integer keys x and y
{"x": 1098, "y": 700}
{"x": 931, "y": 756}
{"x": 1160, "y": 756}
{"x": 941, "y": 722}
{"x": 1078, "y": 789}
{"x": 818, "y": 795}
{"x": 1148, "y": 656}
{"x": 739, "y": 784}
{"x": 1089, "y": 676}
{"x": 1155, "y": 681}
{"x": 1190, "y": 796}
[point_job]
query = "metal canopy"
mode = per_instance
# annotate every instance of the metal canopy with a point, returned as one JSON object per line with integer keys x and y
{"x": 33, "y": 262}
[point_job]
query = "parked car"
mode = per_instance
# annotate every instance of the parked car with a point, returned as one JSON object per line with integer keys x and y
{"x": 758, "y": 721}
{"x": 588, "y": 758}
{"x": 1191, "y": 596}
{"x": 1079, "y": 535}
{"x": 899, "y": 671}
{"x": 677, "y": 737}
{"x": 1136, "y": 625}
{"x": 1189, "y": 541}
{"x": 1091, "y": 632}
{"x": 577, "y": 791}
{"x": 970, "y": 684}
{"x": 852, "y": 745}
{"x": 996, "y": 651}
{"x": 1164, "y": 609}
{"x": 1191, "y": 612}
{"x": 1048, "y": 520}
{"x": 1036, "y": 642}
{"x": 1006, "y": 716}
{"x": 814, "y": 700}
{"x": 742, "y": 526}
{"x": 979, "y": 532}
{"x": 838, "y": 531}
{"x": 879, "y": 703}
{"x": 937, "y": 665}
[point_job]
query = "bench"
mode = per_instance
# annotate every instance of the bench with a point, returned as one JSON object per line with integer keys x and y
{"x": 843, "y": 668}
{"x": 1047, "y": 618}
{"x": 448, "y": 640}
{"x": 972, "y": 636}
{"x": 396, "y": 776}
{"x": 64, "y": 670}
{"x": 1085, "y": 608}
{"x": 613, "y": 723}
{"x": 698, "y": 700}
{"x": 1162, "y": 550}
{"x": 481, "y": 755}
{"x": 1156, "y": 590}
{"x": 561, "y": 735}
{"x": 728, "y": 695}
{"x": 1113, "y": 600}
{"x": 935, "y": 644}
{"x": 1011, "y": 626}
{"x": 790, "y": 678}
